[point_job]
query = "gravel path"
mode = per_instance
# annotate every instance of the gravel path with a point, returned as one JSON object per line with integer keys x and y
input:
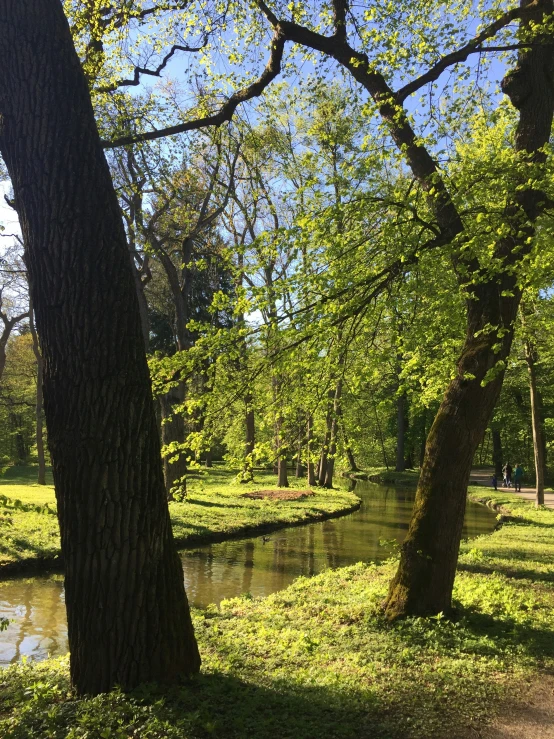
{"x": 483, "y": 477}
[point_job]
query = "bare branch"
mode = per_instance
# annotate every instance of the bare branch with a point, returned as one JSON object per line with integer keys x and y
{"x": 225, "y": 113}
{"x": 152, "y": 72}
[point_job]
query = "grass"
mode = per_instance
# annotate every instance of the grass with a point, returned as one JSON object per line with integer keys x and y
{"x": 214, "y": 510}
{"x": 317, "y": 659}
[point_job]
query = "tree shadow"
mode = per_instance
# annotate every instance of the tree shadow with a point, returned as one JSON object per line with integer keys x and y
{"x": 517, "y": 574}
{"x": 535, "y": 641}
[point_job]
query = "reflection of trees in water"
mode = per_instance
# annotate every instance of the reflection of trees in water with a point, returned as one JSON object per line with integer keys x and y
{"x": 331, "y": 544}
{"x": 248, "y": 568}
{"x": 38, "y": 610}
{"x": 26, "y": 624}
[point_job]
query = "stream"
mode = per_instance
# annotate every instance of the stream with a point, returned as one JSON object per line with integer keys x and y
{"x": 257, "y": 565}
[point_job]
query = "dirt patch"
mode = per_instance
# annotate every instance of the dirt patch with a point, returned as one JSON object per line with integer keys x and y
{"x": 278, "y": 494}
{"x": 531, "y": 716}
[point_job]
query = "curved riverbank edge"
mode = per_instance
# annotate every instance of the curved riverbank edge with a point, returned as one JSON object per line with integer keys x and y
{"x": 30, "y": 566}
{"x": 503, "y": 511}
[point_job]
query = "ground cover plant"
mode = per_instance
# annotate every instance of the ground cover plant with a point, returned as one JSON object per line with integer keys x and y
{"x": 318, "y": 659}
{"x": 215, "y": 508}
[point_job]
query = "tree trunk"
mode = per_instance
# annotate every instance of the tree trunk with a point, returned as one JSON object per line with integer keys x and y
{"x": 536, "y": 422}
{"x": 41, "y": 478}
{"x": 128, "y": 617}
{"x": 497, "y": 453}
{"x": 425, "y": 577}
{"x": 400, "y": 432}
{"x": 250, "y": 422}
{"x": 349, "y": 453}
{"x": 322, "y": 464}
{"x": 282, "y": 479}
{"x": 299, "y": 466}
{"x": 309, "y": 462}
{"x": 330, "y": 469}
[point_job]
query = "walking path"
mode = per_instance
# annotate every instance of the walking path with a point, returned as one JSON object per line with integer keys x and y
{"x": 483, "y": 477}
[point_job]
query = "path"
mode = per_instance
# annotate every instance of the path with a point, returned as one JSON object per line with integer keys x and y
{"x": 483, "y": 477}
{"x": 529, "y": 715}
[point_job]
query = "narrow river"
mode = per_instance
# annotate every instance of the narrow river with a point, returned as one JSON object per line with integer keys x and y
{"x": 259, "y": 565}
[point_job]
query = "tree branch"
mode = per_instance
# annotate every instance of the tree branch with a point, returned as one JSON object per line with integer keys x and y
{"x": 472, "y": 47}
{"x": 225, "y": 113}
{"x": 152, "y": 72}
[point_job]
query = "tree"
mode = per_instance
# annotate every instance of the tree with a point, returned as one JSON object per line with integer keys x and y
{"x": 128, "y": 617}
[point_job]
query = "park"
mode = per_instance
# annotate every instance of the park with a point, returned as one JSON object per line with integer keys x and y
{"x": 276, "y": 385}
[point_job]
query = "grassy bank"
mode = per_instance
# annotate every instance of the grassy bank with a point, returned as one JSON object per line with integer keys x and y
{"x": 214, "y": 510}
{"x": 317, "y": 659}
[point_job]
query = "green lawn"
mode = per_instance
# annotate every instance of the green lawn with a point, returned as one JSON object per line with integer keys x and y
{"x": 214, "y": 509}
{"x": 317, "y": 660}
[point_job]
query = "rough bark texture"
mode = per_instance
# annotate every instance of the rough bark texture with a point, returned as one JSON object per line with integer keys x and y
{"x": 536, "y": 422}
{"x": 424, "y": 580}
{"x": 128, "y": 617}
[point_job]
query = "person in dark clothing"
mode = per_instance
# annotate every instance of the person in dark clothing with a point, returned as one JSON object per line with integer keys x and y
{"x": 518, "y": 475}
{"x": 494, "y": 481}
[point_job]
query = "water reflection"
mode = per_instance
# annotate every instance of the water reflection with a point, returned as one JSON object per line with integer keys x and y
{"x": 259, "y": 566}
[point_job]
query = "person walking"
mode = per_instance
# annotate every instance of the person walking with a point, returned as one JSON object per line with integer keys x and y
{"x": 507, "y": 472}
{"x": 518, "y": 475}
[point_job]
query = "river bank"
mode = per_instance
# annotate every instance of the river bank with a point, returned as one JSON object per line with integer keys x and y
{"x": 215, "y": 509}
{"x": 317, "y": 659}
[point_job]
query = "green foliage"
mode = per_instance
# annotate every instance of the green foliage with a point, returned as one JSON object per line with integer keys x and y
{"x": 317, "y": 659}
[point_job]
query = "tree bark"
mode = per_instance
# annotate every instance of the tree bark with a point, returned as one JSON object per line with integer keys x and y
{"x": 425, "y": 577}
{"x": 400, "y": 432}
{"x": 41, "y": 477}
{"x": 128, "y": 617}
{"x": 536, "y": 422}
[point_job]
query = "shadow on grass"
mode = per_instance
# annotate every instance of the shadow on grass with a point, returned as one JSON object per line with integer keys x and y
{"x": 225, "y": 706}
{"x": 521, "y": 573}
{"x": 24, "y": 475}
{"x": 536, "y": 642}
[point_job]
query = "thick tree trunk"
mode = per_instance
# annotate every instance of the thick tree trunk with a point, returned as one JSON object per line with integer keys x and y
{"x": 401, "y": 424}
{"x": 41, "y": 478}
{"x": 425, "y": 577}
{"x": 497, "y": 453}
{"x": 282, "y": 479}
{"x": 128, "y": 617}
{"x": 173, "y": 432}
{"x": 536, "y": 422}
